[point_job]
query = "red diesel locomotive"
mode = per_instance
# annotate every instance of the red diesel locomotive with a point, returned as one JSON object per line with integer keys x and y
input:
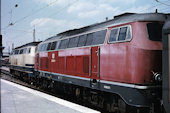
{"x": 117, "y": 63}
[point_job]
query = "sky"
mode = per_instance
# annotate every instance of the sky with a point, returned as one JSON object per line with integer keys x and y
{"x": 49, "y": 17}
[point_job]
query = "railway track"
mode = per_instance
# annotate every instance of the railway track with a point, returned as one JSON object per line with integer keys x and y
{"x": 5, "y": 74}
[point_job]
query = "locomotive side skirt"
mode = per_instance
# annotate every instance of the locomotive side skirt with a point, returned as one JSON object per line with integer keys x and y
{"x": 133, "y": 95}
{"x": 28, "y": 70}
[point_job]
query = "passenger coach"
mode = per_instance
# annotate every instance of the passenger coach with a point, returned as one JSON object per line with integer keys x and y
{"x": 121, "y": 56}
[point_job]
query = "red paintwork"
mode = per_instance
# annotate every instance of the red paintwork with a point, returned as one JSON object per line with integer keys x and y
{"x": 94, "y": 62}
{"x": 128, "y": 62}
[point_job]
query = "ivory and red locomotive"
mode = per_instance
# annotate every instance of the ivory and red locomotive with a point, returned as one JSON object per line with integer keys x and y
{"x": 116, "y": 64}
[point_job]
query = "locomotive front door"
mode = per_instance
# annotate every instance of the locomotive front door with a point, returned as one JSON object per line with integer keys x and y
{"x": 95, "y": 67}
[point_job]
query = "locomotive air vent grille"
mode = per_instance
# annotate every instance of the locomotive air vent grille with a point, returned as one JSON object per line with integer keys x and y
{"x": 86, "y": 64}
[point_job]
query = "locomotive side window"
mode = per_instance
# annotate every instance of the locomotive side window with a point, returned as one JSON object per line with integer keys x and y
{"x": 89, "y": 39}
{"x": 122, "y": 33}
{"x": 25, "y": 50}
{"x": 57, "y": 44}
{"x": 39, "y": 47}
{"x": 45, "y": 47}
{"x": 155, "y": 31}
{"x": 16, "y": 52}
{"x": 53, "y": 46}
{"x": 49, "y": 46}
{"x": 12, "y": 53}
{"x": 99, "y": 37}
{"x": 21, "y": 51}
{"x": 113, "y": 35}
{"x": 82, "y": 40}
{"x": 42, "y": 47}
{"x": 63, "y": 44}
{"x": 73, "y": 42}
{"x": 29, "y": 50}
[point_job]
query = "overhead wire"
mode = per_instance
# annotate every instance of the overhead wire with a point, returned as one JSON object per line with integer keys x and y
{"x": 164, "y": 9}
{"x": 162, "y": 3}
{"x": 54, "y": 14}
{"x": 32, "y": 13}
{"x": 78, "y": 18}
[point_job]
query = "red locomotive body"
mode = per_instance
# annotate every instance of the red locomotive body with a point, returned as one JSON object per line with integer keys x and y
{"x": 132, "y": 61}
{"x": 119, "y": 56}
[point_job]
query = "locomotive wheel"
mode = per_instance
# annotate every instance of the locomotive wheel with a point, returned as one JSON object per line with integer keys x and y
{"x": 77, "y": 92}
{"x": 122, "y": 106}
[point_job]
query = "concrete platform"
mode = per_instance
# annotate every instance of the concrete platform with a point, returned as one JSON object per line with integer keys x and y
{"x": 4, "y": 68}
{"x": 19, "y": 99}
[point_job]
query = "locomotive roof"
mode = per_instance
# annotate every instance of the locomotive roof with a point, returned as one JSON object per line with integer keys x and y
{"x": 29, "y": 44}
{"x": 120, "y": 19}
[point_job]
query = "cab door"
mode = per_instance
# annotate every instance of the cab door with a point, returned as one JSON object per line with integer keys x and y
{"x": 95, "y": 66}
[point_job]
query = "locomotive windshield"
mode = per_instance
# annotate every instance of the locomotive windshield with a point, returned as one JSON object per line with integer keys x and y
{"x": 155, "y": 31}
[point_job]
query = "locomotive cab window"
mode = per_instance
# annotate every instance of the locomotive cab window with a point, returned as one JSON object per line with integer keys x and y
{"x": 155, "y": 31}
{"x": 120, "y": 34}
{"x": 53, "y": 46}
{"x": 113, "y": 35}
